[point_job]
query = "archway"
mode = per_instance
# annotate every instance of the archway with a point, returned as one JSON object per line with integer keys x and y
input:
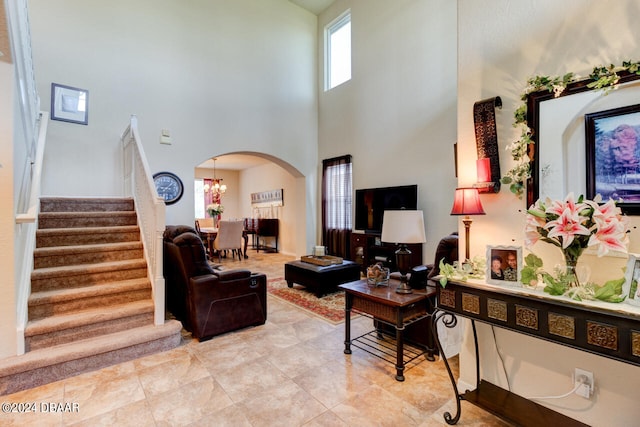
{"x": 246, "y": 173}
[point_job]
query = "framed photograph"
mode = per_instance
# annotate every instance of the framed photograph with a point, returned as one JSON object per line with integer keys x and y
{"x": 504, "y": 265}
{"x": 69, "y": 104}
{"x": 631, "y": 279}
{"x": 613, "y": 156}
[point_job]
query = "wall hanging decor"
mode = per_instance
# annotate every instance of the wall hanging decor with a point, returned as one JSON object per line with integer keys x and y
{"x": 484, "y": 119}
{"x": 267, "y": 198}
{"x": 69, "y": 104}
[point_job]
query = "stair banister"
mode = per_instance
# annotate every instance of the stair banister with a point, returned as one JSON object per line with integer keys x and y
{"x": 138, "y": 184}
{"x": 29, "y": 138}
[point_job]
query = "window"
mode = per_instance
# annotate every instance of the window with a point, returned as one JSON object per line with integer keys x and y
{"x": 198, "y": 198}
{"x": 336, "y": 205}
{"x": 338, "y": 51}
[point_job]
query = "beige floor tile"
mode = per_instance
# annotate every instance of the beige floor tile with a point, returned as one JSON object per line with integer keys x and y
{"x": 326, "y": 419}
{"x": 333, "y": 384}
{"x": 298, "y": 359}
{"x": 189, "y": 403}
{"x": 137, "y": 414}
{"x": 231, "y": 416}
{"x": 250, "y": 379}
{"x": 285, "y": 404}
{"x": 171, "y": 374}
{"x": 103, "y": 396}
{"x": 377, "y": 407}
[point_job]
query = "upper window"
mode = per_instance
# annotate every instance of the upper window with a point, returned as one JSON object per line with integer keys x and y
{"x": 338, "y": 51}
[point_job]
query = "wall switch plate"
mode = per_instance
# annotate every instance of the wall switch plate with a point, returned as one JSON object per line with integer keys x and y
{"x": 165, "y": 140}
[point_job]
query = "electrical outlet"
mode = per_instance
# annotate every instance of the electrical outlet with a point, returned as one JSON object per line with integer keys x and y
{"x": 584, "y": 383}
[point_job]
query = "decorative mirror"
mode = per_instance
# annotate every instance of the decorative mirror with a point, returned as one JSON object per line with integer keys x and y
{"x": 563, "y": 155}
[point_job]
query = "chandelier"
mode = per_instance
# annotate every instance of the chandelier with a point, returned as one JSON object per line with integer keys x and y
{"x": 217, "y": 188}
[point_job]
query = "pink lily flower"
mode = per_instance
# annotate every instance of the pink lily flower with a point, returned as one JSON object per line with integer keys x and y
{"x": 567, "y": 226}
{"x": 610, "y": 237}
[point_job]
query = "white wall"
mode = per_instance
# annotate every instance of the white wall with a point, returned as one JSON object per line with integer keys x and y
{"x": 396, "y": 116}
{"x": 501, "y": 43}
{"x": 271, "y": 177}
{"x": 222, "y": 76}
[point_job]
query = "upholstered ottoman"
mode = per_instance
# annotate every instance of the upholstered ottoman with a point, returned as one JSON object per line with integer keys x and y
{"x": 320, "y": 279}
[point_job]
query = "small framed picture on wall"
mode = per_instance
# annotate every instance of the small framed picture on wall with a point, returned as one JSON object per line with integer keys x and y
{"x": 504, "y": 265}
{"x": 69, "y": 104}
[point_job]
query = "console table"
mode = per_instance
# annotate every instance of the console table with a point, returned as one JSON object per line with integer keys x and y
{"x": 613, "y": 333}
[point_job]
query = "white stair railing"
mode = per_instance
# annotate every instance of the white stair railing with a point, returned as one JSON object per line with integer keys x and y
{"x": 26, "y": 235}
{"x": 29, "y": 139}
{"x": 150, "y": 209}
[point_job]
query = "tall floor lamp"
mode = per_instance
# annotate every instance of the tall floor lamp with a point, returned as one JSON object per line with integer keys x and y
{"x": 467, "y": 202}
{"x": 403, "y": 227}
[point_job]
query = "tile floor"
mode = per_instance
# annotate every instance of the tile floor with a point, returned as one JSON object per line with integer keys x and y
{"x": 289, "y": 372}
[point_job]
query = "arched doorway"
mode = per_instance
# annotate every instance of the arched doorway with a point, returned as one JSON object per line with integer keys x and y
{"x": 247, "y": 173}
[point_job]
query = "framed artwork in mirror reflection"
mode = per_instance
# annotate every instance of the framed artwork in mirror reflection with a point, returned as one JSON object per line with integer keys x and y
{"x": 613, "y": 156}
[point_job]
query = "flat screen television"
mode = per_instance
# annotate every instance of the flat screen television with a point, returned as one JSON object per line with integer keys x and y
{"x": 372, "y": 202}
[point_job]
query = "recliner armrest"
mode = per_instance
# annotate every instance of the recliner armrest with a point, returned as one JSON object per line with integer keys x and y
{"x": 227, "y": 275}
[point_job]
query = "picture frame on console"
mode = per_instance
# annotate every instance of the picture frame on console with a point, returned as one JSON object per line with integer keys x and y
{"x": 631, "y": 279}
{"x": 613, "y": 156}
{"x": 504, "y": 265}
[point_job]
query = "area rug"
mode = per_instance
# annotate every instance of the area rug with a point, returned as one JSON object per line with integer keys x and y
{"x": 329, "y": 307}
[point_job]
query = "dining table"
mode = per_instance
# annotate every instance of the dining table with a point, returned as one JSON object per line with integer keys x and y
{"x": 212, "y": 232}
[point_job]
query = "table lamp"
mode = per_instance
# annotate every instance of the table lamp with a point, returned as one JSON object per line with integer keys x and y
{"x": 467, "y": 202}
{"x": 403, "y": 227}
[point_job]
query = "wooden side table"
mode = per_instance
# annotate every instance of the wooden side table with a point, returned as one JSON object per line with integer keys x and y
{"x": 384, "y": 304}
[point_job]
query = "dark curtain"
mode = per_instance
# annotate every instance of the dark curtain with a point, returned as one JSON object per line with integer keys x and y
{"x": 336, "y": 205}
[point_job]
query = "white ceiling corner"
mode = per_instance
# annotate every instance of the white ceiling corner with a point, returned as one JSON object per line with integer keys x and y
{"x": 313, "y": 6}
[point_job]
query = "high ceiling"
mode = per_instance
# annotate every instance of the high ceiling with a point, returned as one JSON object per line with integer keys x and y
{"x": 313, "y": 6}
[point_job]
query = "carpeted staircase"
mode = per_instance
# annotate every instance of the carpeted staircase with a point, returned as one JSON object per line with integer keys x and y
{"x": 90, "y": 304}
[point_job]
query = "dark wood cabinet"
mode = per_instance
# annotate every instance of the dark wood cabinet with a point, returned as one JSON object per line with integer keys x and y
{"x": 263, "y": 227}
{"x": 267, "y": 227}
{"x": 367, "y": 249}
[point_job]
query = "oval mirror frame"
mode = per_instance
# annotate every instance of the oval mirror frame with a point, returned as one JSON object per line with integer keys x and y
{"x": 533, "y": 121}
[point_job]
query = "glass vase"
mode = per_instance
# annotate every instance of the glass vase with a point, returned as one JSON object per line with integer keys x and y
{"x": 576, "y": 275}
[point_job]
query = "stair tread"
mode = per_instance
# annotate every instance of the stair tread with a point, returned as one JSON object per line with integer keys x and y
{"x": 54, "y": 250}
{"x": 87, "y": 317}
{"x": 86, "y": 213}
{"x": 93, "y": 290}
{"x": 82, "y": 268}
{"x": 82, "y": 230}
{"x": 87, "y": 347}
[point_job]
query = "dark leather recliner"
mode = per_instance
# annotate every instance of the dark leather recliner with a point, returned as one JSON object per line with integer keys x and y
{"x": 448, "y": 250}
{"x": 209, "y": 302}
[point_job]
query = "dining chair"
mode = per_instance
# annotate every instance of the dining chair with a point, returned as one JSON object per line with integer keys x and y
{"x": 229, "y": 237}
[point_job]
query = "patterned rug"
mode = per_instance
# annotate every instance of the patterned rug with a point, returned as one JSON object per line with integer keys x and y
{"x": 330, "y": 307}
